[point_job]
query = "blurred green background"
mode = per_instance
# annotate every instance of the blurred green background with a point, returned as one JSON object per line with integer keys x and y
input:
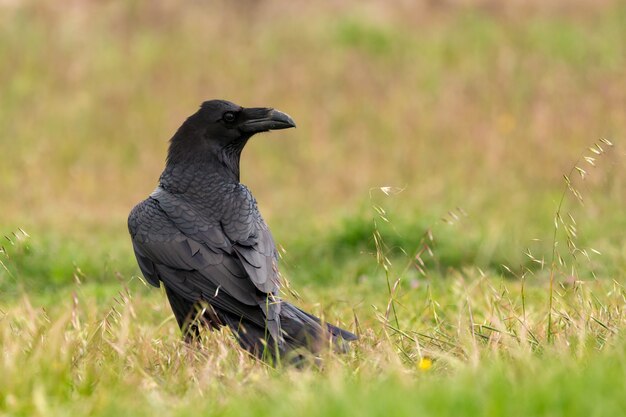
{"x": 473, "y": 105}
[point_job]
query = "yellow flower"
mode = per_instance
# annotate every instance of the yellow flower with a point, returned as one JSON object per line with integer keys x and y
{"x": 425, "y": 363}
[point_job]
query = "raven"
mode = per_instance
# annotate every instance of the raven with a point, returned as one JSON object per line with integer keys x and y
{"x": 200, "y": 233}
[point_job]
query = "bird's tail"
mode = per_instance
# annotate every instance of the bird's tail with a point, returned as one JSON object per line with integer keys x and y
{"x": 300, "y": 330}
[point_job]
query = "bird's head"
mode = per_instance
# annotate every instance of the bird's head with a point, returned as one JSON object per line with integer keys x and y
{"x": 220, "y": 129}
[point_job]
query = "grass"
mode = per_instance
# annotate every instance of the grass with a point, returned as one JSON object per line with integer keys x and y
{"x": 419, "y": 203}
{"x": 489, "y": 350}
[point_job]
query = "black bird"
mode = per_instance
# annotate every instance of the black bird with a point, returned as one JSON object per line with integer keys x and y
{"x": 200, "y": 233}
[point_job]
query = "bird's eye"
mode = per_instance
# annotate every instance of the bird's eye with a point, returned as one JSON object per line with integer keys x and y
{"x": 229, "y": 117}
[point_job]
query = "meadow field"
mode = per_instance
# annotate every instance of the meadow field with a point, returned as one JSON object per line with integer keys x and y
{"x": 454, "y": 193}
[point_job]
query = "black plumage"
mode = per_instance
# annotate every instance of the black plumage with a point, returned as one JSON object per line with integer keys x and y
{"x": 200, "y": 233}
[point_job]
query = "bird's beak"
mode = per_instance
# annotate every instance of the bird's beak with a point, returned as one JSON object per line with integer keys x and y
{"x": 260, "y": 119}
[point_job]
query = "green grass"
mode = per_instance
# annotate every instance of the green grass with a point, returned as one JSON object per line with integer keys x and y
{"x": 489, "y": 347}
{"x": 415, "y": 204}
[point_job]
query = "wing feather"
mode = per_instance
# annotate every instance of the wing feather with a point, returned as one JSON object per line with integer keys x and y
{"x": 229, "y": 263}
